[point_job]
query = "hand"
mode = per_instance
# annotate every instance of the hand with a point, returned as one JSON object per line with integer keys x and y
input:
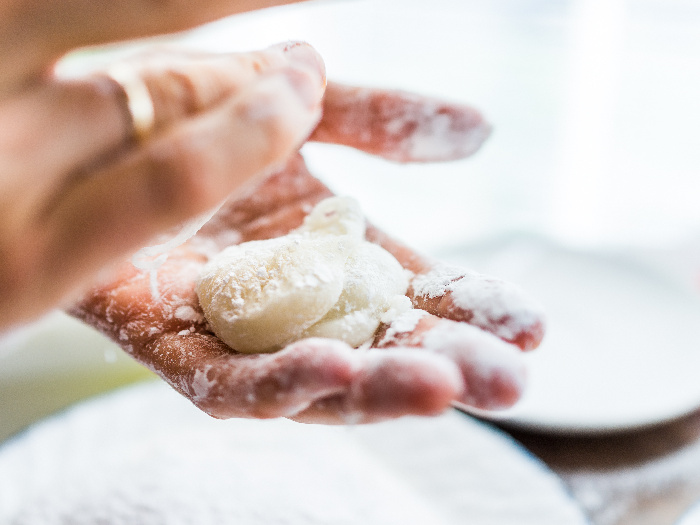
{"x": 77, "y": 193}
{"x": 463, "y": 348}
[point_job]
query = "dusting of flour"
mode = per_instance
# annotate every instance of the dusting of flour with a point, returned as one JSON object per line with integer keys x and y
{"x": 402, "y": 324}
{"x": 146, "y": 456}
{"x": 499, "y": 307}
{"x": 151, "y": 258}
{"x": 436, "y": 135}
{"x": 321, "y": 280}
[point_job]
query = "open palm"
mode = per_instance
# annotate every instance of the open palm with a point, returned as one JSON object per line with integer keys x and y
{"x": 464, "y": 348}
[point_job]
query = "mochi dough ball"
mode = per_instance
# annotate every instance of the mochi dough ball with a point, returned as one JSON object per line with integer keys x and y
{"x": 321, "y": 280}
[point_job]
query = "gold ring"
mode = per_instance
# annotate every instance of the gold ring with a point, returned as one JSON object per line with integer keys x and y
{"x": 139, "y": 103}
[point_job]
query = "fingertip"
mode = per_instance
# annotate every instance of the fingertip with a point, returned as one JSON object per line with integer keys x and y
{"x": 530, "y": 339}
{"x": 306, "y": 86}
{"x": 436, "y": 386}
{"x": 509, "y": 313}
{"x": 494, "y": 371}
{"x": 305, "y": 71}
{"x": 503, "y": 388}
{"x": 491, "y": 304}
{"x": 285, "y": 106}
{"x": 400, "y": 382}
{"x": 304, "y": 54}
{"x": 495, "y": 378}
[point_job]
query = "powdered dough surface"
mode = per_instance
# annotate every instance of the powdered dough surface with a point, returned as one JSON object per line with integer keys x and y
{"x": 146, "y": 456}
{"x": 321, "y": 280}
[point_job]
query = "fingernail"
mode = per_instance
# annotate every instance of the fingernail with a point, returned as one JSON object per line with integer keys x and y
{"x": 302, "y": 53}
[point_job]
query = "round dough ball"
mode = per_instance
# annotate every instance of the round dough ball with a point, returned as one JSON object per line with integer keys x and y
{"x": 321, "y": 280}
{"x": 260, "y": 295}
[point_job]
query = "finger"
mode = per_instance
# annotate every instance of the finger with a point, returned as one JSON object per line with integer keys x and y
{"x": 50, "y": 29}
{"x": 182, "y": 84}
{"x": 390, "y": 384}
{"x": 365, "y": 119}
{"x": 75, "y": 122}
{"x": 186, "y": 171}
{"x": 400, "y": 126}
{"x": 225, "y": 385}
{"x": 493, "y": 371}
{"x": 494, "y": 305}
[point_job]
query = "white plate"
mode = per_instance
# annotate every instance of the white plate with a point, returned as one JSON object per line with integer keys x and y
{"x": 145, "y": 455}
{"x": 691, "y": 516}
{"x": 622, "y": 348}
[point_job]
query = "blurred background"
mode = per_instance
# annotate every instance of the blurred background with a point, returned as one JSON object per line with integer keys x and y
{"x": 586, "y": 194}
{"x": 594, "y": 106}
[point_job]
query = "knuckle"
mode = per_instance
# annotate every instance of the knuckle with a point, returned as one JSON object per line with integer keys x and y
{"x": 175, "y": 94}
